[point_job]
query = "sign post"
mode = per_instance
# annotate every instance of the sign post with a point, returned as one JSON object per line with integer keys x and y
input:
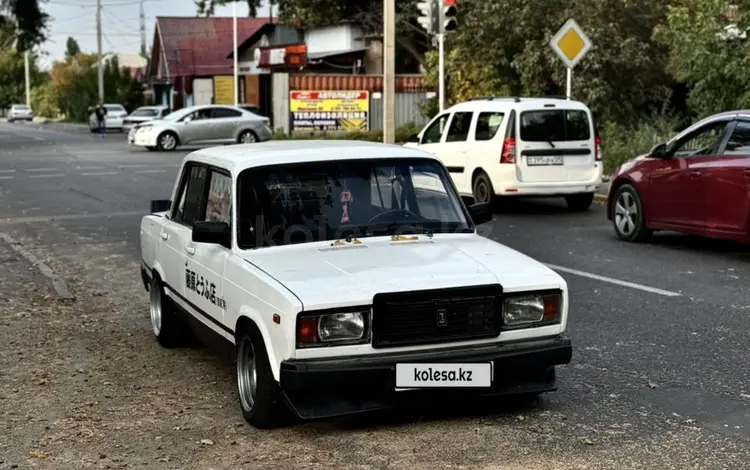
{"x": 571, "y": 44}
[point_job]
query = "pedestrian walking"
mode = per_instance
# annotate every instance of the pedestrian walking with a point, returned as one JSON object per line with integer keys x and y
{"x": 101, "y": 113}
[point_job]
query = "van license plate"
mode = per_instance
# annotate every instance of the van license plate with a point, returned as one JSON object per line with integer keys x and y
{"x": 548, "y": 160}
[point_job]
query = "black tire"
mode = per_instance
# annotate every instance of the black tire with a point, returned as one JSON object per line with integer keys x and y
{"x": 639, "y": 231}
{"x": 579, "y": 202}
{"x": 160, "y": 142}
{"x": 482, "y": 189}
{"x": 268, "y": 409}
{"x": 171, "y": 331}
{"x": 247, "y": 134}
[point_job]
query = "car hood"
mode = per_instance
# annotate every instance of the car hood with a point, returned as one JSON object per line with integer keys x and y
{"x": 323, "y": 275}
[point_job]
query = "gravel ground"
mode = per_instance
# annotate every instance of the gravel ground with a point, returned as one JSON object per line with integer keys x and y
{"x": 83, "y": 384}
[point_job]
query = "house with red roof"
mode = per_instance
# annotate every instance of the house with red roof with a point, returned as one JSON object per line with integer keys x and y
{"x": 189, "y": 59}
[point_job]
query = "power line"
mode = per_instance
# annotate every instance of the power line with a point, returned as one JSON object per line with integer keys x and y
{"x": 110, "y": 3}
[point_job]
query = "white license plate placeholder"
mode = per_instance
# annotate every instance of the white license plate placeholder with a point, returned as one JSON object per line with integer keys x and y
{"x": 415, "y": 376}
{"x": 548, "y": 160}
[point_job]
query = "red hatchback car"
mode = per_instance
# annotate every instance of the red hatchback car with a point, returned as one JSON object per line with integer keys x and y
{"x": 698, "y": 183}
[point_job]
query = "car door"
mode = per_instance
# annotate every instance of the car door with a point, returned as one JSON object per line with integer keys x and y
{"x": 676, "y": 194}
{"x": 226, "y": 122}
{"x": 196, "y": 127}
{"x": 455, "y": 148}
{"x": 177, "y": 233}
{"x": 728, "y": 183}
{"x": 204, "y": 262}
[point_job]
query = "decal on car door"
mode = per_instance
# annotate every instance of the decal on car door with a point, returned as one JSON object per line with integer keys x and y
{"x": 196, "y": 283}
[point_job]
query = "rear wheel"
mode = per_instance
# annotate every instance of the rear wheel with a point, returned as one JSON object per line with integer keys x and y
{"x": 482, "y": 189}
{"x": 261, "y": 401}
{"x": 627, "y": 215}
{"x": 579, "y": 202}
{"x": 166, "y": 325}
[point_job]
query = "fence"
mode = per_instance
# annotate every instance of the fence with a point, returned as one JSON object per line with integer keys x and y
{"x": 407, "y": 110}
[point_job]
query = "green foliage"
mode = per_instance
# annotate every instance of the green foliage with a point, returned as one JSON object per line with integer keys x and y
{"x": 12, "y": 73}
{"x": 705, "y": 54}
{"x": 621, "y": 143}
{"x": 29, "y": 19}
{"x": 402, "y": 134}
{"x": 43, "y": 102}
{"x": 72, "y": 48}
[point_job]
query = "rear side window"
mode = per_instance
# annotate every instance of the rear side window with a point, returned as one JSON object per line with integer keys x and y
{"x": 487, "y": 125}
{"x": 219, "y": 113}
{"x": 555, "y": 125}
{"x": 459, "y": 129}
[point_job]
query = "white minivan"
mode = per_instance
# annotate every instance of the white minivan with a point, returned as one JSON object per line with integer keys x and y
{"x": 508, "y": 147}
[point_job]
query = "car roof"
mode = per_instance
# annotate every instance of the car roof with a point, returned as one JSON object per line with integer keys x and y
{"x": 519, "y": 103}
{"x": 236, "y": 158}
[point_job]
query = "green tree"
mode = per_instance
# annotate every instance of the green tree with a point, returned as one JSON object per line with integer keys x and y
{"x": 708, "y": 50}
{"x": 71, "y": 48}
{"x": 621, "y": 78}
{"x": 12, "y": 71}
{"x": 29, "y": 20}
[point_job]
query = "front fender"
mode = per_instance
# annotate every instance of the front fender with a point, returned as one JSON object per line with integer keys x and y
{"x": 272, "y": 342}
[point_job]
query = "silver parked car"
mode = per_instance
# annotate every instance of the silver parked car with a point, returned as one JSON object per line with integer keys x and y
{"x": 200, "y": 125}
{"x": 144, "y": 114}
{"x": 20, "y": 112}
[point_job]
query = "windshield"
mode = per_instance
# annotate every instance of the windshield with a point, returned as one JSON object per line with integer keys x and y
{"x": 297, "y": 203}
{"x": 114, "y": 108}
{"x": 20, "y": 106}
{"x": 145, "y": 112}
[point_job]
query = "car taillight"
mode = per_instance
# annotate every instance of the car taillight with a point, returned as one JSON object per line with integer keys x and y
{"x": 598, "y": 148}
{"x": 509, "y": 151}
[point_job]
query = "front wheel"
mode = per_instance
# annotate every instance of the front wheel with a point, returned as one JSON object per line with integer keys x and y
{"x": 261, "y": 401}
{"x": 247, "y": 137}
{"x": 579, "y": 202}
{"x": 627, "y": 215}
{"x": 166, "y": 141}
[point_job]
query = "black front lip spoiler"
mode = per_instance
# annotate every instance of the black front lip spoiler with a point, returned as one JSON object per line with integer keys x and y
{"x": 325, "y": 388}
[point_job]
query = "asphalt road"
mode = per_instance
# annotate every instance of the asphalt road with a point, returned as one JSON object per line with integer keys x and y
{"x": 660, "y": 330}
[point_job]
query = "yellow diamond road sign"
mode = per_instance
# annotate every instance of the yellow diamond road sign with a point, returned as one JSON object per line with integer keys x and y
{"x": 571, "y": 43}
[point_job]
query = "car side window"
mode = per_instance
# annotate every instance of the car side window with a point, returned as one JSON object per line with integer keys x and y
{"x": 219, "y": 113}
{"x": 459, "y": 129}
{"x": 488, "y": 125}
{"x": 704, "y": 141}
{"x": 219, "y": 201}
{"x": 191, "y": 199}
{"x": 433, "y": 133}
{"x": 739, "y": 142}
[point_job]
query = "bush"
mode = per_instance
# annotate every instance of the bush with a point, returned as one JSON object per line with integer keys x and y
{"x": 376, "y": 135}
{"x": 622, "y": 143}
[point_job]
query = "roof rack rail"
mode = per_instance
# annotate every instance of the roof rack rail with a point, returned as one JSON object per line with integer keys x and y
{"x": 490, "y": 98}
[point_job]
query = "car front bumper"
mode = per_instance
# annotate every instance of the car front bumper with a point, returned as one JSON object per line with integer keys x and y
{"x": 325, "y": 388}
{"x": 147, "y": 139}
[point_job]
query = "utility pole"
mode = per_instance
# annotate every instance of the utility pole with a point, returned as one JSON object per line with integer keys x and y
{"x": 389, "y": 71}
{"x": 27, "y": 77}
{"x": 99, "y": 49}
{"x": 142, "y": 19}
{"x": 235, "y": 86}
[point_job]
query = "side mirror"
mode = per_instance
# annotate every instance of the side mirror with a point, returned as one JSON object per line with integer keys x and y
{"x": 413, "y": 138}
{"x": 480, "y": 213}
{"x": 160, "y": 205}
{"x": 216, "y": 233}
{"x": 187, "y": 119}
{"x": 658, "y": 151}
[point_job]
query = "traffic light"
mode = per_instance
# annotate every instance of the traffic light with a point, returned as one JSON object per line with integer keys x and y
{"x": 449, "y": 15}
{"x": 430, "y": 15}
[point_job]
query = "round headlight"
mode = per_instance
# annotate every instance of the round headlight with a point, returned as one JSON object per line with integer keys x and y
{"x": 341, "y": 326}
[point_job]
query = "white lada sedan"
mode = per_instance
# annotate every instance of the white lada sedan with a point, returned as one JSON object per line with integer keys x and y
{"x": 346, "y": 277}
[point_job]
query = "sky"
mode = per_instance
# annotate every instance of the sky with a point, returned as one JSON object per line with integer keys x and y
{"x": 120, "y": 23}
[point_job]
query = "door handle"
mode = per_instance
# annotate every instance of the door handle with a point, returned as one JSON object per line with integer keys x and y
{"x": 695, "y": 174}
{"x": 164, "y": 235}
{"x": 190, "y": 249}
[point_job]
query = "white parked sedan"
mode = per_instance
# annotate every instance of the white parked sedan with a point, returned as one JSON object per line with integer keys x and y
{"x": 116, "y": 114}
{"x": 346, "y": 277}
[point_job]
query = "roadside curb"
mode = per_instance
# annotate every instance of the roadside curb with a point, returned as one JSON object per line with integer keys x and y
{"x": 57, "y": 283}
